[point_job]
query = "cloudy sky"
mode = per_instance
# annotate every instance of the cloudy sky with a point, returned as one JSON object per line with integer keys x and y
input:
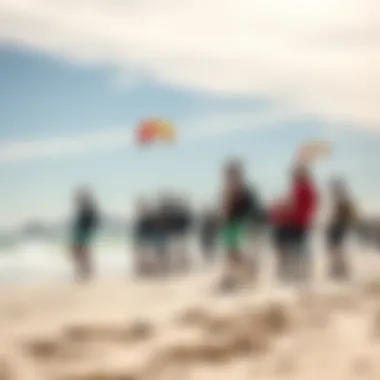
{"x": 252, "y": 78}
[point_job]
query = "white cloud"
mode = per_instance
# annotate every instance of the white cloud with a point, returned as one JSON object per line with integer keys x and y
{"x": 316, "y": 56}
{"x": 16, "y": 151}
{"x": 189, "y": 132}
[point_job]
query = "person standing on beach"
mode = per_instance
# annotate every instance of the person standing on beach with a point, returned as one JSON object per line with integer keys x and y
{"x": 293, "y": 219}
{"x": 85, "y": 224}
{"x": 239, "y": 201}
{"x": 340, "y": 224}
{"x": 182, "y": 222}
{"x": 176, "y": 221}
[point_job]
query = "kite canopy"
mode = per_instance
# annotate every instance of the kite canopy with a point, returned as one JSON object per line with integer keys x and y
{"x": 312, "y": 150}
{"x": 155, "y": 130}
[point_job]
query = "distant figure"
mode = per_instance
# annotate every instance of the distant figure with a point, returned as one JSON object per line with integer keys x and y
{"x": 85, "y": 225}
{"x": 238, "y": 203}
{"x": 145, "y": 236}
{"x": 293, "y": 219}
{"x": 209, "y": 224}
{"x": 339, "y": 227}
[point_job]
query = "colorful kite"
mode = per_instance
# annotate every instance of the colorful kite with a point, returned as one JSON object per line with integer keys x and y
{"x": 154, "y": 130}
{"x": 312, "y": 150}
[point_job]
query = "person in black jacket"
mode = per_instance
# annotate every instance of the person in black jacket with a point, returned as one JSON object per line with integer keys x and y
{"x": 340, "y": 225}
{"x": 85, "y": 224}
{"x": 240, "y": 206}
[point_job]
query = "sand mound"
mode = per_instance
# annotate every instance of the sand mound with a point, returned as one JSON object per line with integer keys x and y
{"x": 43, "y": 347}
{"x": 129, "y": 333}
{"x": 5, "y": 371}
{"x": 375, "y": 330}
{"x": 195, "y": 316}
{"x": 275, "y": 319}
{"x": 170, "y": 330}
{"x": 371, "y": 288}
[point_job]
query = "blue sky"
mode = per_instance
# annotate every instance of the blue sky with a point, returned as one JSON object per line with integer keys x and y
{"x": 69, "y": 103}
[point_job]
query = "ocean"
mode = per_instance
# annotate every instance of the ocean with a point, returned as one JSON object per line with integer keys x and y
{"x": 45, "y": 260}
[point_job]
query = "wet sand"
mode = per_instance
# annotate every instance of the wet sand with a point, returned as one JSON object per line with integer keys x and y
{"x": 180, "y": 328}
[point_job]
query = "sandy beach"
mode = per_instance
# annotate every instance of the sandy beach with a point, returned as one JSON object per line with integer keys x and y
{"x": 180, "y": 328}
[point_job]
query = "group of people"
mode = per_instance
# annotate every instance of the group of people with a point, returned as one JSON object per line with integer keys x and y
{"x": 160, "y": 231}
{"x": 157, "y": 231}
{"x": 291, "y": 220}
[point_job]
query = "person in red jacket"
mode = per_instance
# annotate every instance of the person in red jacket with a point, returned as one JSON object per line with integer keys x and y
{"x": 293, "y": 222}
{"x": 304, "y": 200}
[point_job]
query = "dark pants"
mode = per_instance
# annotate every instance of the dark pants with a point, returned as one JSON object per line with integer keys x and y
{"x": 157, "y": 240}
{"x": 292, "y": 251}
{"x": 290, "y": 238}
{"x": 81, "y": 253}
{"x": 336, "y": 235}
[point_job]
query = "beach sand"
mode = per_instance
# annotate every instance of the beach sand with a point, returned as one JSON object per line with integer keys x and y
{"x": 180, "y": 328}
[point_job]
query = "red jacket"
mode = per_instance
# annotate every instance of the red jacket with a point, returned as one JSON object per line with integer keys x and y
{"x": 304, "y": 203}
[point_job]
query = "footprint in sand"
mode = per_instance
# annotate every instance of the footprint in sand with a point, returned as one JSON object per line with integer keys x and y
{"x": 285, "y": 366}
{"x": 361, "y": 367}
{"x": 195, "y": 316}
{"x": 42, "y": 347}
{"x": 137, "y": 331}
{"x": 372, "y": 288}
{"x": 276, "y": 319}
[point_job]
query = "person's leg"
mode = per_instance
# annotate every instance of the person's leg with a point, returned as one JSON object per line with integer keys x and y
{"x": 238, "y": 268}
{"x": 254, "y": 243}
{"x": 87, "y": 262}
{"x": 233, "y": 257}
{"x": 76, "y": 262}
{"x": 164, "y": 250}
{"x": 81, "y": 255}
{"x": 176, "y": 252}
{"x": 82, "y": 262}
{"x": 144, "y": 261}
{"x": 137, "y": 254}
{"x": 185, "y": 254}
{"x": 280, "y": 242}
{"x": 338, "y": 267}
{"x": 205, "y": 246}
{"x": 301, "y": 256}
{"x": 142, "y": 247}
{"x": 209, "y": 244}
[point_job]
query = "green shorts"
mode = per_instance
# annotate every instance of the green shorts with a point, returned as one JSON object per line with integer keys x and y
{"x": 234, "y": 234}
{"x": 82, "y": 239}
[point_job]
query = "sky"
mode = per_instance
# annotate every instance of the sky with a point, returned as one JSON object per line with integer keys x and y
{"x": 238, "y": 78}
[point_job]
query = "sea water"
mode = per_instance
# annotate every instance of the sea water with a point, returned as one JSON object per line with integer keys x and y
{"x": 39, "y": 260}
{"x": 46, "y": 260}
